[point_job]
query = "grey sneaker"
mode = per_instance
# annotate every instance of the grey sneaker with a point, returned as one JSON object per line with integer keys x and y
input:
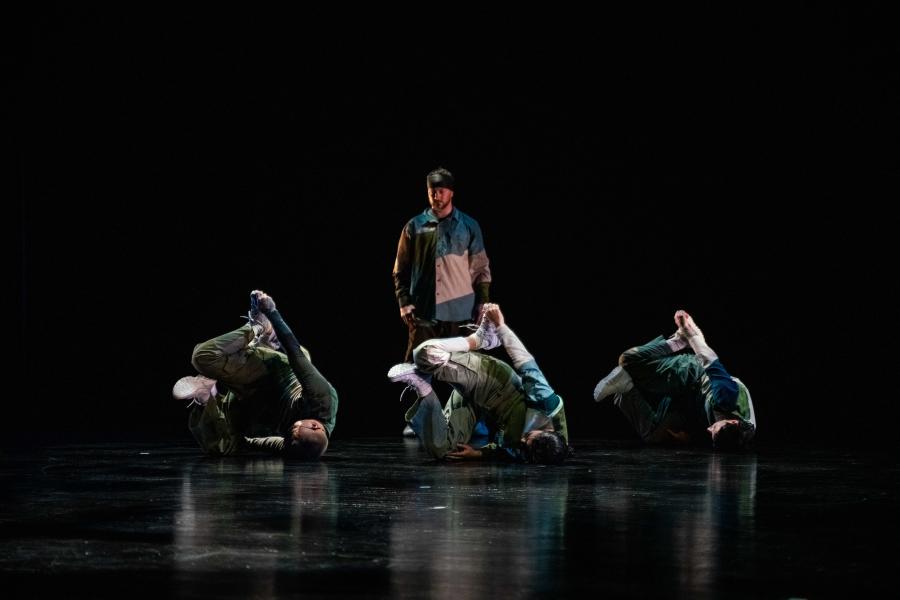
{"x": 263, "y": 331}
{"x": 408, "y": 432}
{"x": 195, "y": 387}
{"x": 412, "y": 377}
{"x": 617, "y": 382}
{"x": 486, "y": 332}
{"x": 262, "y": 327}
{"x": 407, "y": 373}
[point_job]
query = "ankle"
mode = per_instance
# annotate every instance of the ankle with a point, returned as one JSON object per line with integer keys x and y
{"x": 422, "y": 389}
{"x": 474, "y": 340}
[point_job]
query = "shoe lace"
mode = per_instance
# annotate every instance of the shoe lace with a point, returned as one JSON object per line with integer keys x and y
{"x": 266, "y": 338}
{"x": 486, "y": 330}
{"x": 408, "y": 387}
{"x": 483, "y": 325}
{"x": 481, "y": 322}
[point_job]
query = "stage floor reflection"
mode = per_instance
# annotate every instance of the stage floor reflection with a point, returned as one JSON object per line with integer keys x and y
{"x": 376, "y": 519}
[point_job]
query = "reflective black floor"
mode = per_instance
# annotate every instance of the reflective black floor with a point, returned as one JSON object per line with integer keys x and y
{"x": 377, "y": 520}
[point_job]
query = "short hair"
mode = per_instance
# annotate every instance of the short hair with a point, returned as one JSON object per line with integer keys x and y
{"x": 547, "y": 448}
{"x": 310, "y": 446}
{"x": 729, "y": 437}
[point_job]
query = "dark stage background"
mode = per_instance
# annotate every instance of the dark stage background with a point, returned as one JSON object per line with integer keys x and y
{"x": 732, "y": 163}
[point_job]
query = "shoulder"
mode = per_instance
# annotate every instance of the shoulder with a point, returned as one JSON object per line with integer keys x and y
{"x": 420, "y": 219}
{"x": 413, "y": 224}
{"x": 464, "y": 216}
{"x": 467, "y": 220}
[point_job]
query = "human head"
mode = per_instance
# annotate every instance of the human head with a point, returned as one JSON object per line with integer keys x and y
{"x": 308, "y": 440}
{"x": 726, "y": 434}
{"x": 545, "y": 447}
{"x": 439, "y": 185}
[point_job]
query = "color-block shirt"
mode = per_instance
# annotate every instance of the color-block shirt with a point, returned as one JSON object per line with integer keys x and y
{"x": 441, "y": 266}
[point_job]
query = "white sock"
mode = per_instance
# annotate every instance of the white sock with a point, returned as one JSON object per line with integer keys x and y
{"x": 454, "y": 344}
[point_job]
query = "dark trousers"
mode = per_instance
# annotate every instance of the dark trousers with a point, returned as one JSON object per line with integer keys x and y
{"x": 664, "y": 383}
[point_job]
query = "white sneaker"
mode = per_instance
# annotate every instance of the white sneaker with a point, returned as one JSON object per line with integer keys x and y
{"x": 195, "y": 387}
{"x": 486, "y": 332}
{"x": 412, "y": 377}
{"x": 407, "y": 373}
{"x": 264, "y": 334}
{"x": 617, "y": 382}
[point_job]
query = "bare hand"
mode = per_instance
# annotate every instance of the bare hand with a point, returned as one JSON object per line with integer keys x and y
{"x": 407, "y": 313}
{"x": 686, "y": 326}
{"x": 681, "y": 437}
{"x": 492, "y": 312}
{"x": 464, "y": 452}
{"x": 264, "y": 303}
{"x": 719, "y": 425}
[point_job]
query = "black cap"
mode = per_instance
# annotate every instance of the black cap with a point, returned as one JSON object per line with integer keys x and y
{"x": 440, "y": 178}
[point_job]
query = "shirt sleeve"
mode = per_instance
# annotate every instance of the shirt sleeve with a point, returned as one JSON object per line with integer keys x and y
{"x": 403, "y": 267}
{"x": 479, "y": 264}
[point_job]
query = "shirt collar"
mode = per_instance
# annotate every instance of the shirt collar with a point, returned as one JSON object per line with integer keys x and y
{"x": 432, "y": 218}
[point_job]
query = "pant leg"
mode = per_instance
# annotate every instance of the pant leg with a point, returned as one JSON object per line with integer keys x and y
{"x": 650, "y": 423}
{"x": 441, "y": 429}
{"x": 656, "y": 371}
{"x": 464, "y": 371}
{"x": 226, "y": 358}
{"x": 260, "y": 380}
{"x": 210, "y": 427}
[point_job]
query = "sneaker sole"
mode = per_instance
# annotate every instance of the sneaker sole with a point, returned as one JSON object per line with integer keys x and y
{"x": 400, "y": 370}
{"x": 186, "y": 388}
{"x": 605, "y": 388}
